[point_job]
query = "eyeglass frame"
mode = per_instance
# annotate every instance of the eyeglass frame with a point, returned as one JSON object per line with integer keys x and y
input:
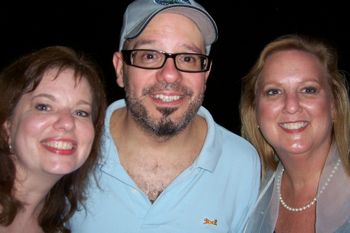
{"x": 127, "y": 58}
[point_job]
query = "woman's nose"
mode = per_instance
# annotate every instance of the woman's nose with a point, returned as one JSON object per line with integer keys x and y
{"x": 64, "y": 121}
{"x": 292, "y": 103}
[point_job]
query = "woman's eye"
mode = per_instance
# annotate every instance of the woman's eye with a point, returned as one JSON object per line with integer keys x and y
{"x": 272, "y": 92}
{"x": 82, "y": 113}
{"x": 309, "y": 90}
{"x": 42, "y": 107}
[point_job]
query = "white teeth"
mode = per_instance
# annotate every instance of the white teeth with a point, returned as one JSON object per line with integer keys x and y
{"x": 60, "y": 145}
{"x": 167, "y": 98}
{"x": 295, "y": 125}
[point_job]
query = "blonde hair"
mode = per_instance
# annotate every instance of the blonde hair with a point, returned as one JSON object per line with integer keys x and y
{"x": 338, "y": 86}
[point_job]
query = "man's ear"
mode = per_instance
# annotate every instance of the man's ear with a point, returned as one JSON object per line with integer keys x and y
{"x": 118, "y": 68}
{"x": 208, "y": 72}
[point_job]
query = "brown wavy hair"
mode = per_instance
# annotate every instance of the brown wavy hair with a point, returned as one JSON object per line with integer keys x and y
{"x": 327, "y": 55}
{"x": 21, "y": 77}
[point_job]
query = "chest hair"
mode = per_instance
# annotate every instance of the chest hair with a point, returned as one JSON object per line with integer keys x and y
{"x": 153, "y": 176}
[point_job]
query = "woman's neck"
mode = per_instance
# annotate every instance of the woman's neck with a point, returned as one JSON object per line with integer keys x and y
{"x": 26, "y": 221}
{"x": 31, "y": 190}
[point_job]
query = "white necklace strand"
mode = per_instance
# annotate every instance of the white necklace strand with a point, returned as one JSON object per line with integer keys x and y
{"x": 314, "y": 200}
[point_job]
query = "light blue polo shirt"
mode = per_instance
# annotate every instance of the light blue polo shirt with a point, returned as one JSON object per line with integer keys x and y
{"x": 215, "y": 194}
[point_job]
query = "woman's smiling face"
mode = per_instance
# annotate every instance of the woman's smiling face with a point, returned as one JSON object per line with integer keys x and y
{"x": 51, "y": 130}
{"x": 294, "y": 103}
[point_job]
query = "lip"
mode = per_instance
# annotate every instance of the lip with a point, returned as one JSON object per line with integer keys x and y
{"x": 60, "y": 146}
{"x": 294, "y": 127}
{"x": 170, "y": 100}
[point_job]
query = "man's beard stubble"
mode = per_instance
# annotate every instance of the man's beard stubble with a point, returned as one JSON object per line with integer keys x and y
{"x": 164, "y": 127}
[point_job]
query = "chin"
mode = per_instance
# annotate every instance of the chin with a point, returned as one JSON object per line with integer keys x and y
{"x": 298, "y": 150}
{"x": 61, "y": 169}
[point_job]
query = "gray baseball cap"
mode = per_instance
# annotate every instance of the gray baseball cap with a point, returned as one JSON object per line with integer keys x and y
{"x": 140, "y": 12}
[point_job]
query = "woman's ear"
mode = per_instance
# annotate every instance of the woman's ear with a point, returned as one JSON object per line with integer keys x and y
{"x": 7, "y": 127}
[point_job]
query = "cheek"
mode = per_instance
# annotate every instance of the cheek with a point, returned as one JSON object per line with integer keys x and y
{"x": 265, "y": 111}
{"x": 201, "y": 86}
{"x": 137, "y": 84}
{"x": 85, "y": 132}
{"x": 27, "y": 127}
{"x": 196, "y": 84}
{"x": 323, "y": 107}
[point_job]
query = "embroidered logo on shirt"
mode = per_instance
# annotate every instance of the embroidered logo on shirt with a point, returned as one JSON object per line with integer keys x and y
{"x": 210, "y": 222}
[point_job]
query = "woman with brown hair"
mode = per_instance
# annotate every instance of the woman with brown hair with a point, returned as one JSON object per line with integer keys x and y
{"x": 51, "y": 115}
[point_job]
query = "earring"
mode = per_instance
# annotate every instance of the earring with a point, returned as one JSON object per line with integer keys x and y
{"x": 11, "y": 149}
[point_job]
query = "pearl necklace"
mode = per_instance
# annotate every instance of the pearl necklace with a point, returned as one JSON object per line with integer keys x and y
{"x": 314, "y": 200}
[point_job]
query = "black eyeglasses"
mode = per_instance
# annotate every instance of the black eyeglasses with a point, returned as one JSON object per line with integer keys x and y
{"x": 153, "y": 59}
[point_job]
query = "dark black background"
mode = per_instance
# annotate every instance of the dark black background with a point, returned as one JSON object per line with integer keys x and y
{"x": 244, "y": 28}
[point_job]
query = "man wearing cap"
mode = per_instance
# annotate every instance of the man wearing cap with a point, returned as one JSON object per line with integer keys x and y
{"x": 167, "y": 166}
